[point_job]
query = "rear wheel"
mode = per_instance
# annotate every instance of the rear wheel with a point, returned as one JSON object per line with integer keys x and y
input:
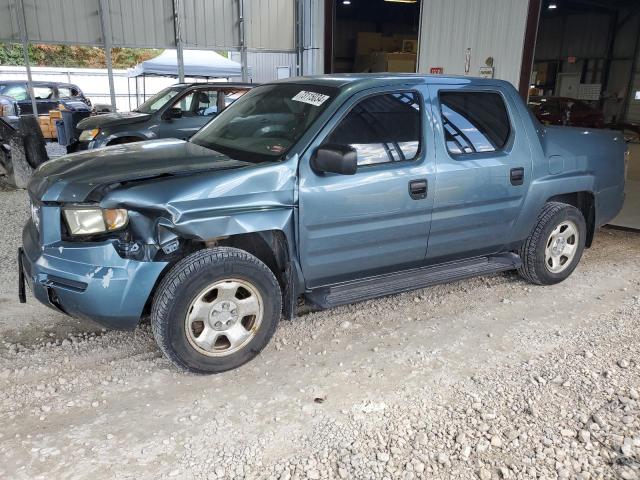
{"x": 215, "y": 310}
{"x": 554, "y": 248}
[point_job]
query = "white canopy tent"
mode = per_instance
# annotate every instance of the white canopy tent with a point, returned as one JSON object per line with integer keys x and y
{"x": 197, "y": 63}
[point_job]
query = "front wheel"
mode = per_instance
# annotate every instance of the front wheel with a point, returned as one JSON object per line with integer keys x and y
{"x": 215, "y": 310}
{"x": 552, "y": 251}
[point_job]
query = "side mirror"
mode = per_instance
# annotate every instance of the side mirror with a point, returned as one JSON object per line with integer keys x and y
{"x": 173, "y": 112}
{"x": 340, "y": 159}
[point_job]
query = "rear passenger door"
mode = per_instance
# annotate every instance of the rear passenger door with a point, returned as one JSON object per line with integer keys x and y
{"x": 483, "y": 169}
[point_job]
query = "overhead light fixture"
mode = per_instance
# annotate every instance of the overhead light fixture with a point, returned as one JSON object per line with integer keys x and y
{"x": 401, "y": 1}
{"x": 346, "y": 2}
{"x": 552, "y": 6}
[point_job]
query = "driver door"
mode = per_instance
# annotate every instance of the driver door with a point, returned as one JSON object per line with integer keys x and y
{"x": 352, "y": 226}
{"x": 196, "y": 109}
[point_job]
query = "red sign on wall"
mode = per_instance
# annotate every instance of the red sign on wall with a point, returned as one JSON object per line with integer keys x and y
{"x": 436, "y": 70}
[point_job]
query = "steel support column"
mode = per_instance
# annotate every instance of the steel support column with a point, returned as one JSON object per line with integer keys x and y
{"x": 632, "y": 78}
{"x": 530, "y": 38}
{"x": 22, "y": 25}
{"x": 177, "y": 28}
{"x": 299, "y": 36}
{"x": 105, "y": 25}
{"x": 243, "y": 41}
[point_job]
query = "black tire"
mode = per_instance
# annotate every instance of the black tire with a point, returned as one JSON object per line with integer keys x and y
{"x": 73, "y": 148}
{"x": 534, "y": 266}
{"x": 181, "y": 286}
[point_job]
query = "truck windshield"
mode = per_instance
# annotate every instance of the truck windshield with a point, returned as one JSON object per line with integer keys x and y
{"x": 159, "y": 100}
{"x": 266, "y": 122}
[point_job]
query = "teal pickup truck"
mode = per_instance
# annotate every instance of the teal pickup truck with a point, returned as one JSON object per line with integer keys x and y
{"x": 326, "y": 190}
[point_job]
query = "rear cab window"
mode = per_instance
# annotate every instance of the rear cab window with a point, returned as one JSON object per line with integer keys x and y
{"x": 474, "y": 122}
{"x": 68, "y": 92}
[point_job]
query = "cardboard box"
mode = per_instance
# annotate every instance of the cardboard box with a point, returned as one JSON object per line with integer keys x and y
{"x": 391, "y": 44}
{"x": 410, "y": 45}
{"x": 400, "y": 38}
{"x": 393, "y": 62}
{"x": 48, "y": 127}
{"x": 368, "y": 42}
{"x": 401, "y": 66}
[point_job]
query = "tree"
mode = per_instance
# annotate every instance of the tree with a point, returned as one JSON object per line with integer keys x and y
{"x": 73, "y": 56}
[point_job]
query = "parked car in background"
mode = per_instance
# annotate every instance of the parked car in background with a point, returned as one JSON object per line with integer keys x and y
{"x": 566, "y": 111}
{"x": 178, "y": 111}
{"x": 49, "y": 96}
{"x": 8, "y": 107}
{"x": 330, "y": 190}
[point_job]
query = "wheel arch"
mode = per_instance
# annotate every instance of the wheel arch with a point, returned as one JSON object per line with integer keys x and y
{"x": 585, "y": 202}
{"x": 272, "y": 247}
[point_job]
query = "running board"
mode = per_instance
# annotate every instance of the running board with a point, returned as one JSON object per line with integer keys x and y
{"x": 398, "y": 282}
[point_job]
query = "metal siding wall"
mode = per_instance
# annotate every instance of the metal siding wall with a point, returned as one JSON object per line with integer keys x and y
{"x": 626, "y": 38}
{"x": 49, "y": 21}
{"x": 9, "y": 30}
{"x": 549, "y": 39}
{"x": 633, "y": 112}
{"x": 142, "y": 23}
{"x": 263, "y": 65}
{"x": 491, "y": 28}
{"x": 585, "y": 36}
{"x": 271, "y": 24}
{"x": 313, "y": 36}
{"x": 589, "y": 35}
{"x": 210, "y": 24}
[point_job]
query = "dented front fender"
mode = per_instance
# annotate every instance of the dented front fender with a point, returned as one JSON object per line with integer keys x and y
{"x": 210, "y": 205}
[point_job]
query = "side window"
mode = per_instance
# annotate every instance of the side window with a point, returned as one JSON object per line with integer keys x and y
{"x": 68, "y": 92}
{"x": 64, "y": 92}
{"x": 43, "y": 93}
{"x": 17, "y": 92}
{"x": 474, "y": 122}
{"x": 383, "y": 128}
{"x": 199, "y": 103}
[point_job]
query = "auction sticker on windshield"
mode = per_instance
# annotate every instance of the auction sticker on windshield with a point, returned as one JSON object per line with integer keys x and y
{"x": 311, "y": 98}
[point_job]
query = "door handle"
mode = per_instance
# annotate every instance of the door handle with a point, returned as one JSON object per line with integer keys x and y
{"x": 517, "y": 176}
{"x": 418, "y": 189}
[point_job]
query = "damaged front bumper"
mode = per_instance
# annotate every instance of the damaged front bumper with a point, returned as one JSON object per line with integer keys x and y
{"x": 88, "y": 279}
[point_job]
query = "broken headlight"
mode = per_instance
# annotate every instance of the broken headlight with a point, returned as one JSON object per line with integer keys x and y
{"x": 89, "y": 221}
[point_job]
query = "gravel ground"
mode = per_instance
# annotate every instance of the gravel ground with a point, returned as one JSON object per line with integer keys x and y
{"x": 488, "y": 378}
{"x": 54, "y": 149}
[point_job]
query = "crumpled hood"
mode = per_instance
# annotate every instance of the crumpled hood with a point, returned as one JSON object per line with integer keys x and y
{"x": 72, "y": 178}
{"x": 112, "y": 119}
